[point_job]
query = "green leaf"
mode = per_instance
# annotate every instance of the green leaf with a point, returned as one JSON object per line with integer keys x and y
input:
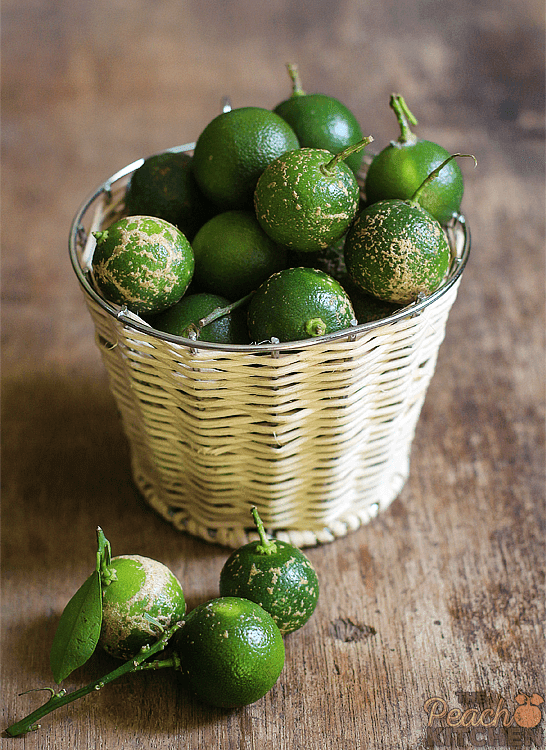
{"x": 78, "y": 631}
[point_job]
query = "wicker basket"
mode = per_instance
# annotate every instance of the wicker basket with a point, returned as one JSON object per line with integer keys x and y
{"x": 316, "y": 433}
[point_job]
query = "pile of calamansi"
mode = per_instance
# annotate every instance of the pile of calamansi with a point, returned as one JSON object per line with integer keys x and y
{"x": 229, "y": 650}
{"x": 272, "y": 231}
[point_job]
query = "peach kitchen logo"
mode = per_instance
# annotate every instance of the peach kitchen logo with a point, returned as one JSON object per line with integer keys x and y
{"x": 483, "y": 721}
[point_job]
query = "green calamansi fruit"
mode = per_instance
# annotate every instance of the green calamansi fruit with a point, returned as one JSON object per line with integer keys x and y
{"x": 399, "y": 169}
{"x": 233, "y": 255}
{"x": 274, "y": 574}
{"x": 396, "y": 251}
{"x": 234, "y": 149}
{"x": 142, "y": 262}
{"x": 307, "y": 198}
{"x": 139, "y": 597}
{"x": 164, "y": 187}
{"x": 231, "y": 651}
{"x": 320, "y": 121}
{"x": 298, "y": 303}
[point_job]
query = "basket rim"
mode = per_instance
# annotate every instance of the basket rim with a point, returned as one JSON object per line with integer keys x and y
{"x": 125, "y": 317}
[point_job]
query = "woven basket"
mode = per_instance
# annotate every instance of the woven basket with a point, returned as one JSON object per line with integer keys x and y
{"x": 316, "y": 433}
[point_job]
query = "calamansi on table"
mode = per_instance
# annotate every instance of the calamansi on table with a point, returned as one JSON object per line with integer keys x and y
{"x": 229, "y": 650}
{"x": 138, "y": 596}
{"x": 276, "y": 575}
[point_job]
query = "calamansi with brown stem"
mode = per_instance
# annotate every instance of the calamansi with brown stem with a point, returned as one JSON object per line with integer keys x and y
{"x": 274, "y": 574}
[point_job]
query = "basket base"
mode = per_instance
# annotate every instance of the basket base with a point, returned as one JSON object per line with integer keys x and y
{"x": 235, "y": 536}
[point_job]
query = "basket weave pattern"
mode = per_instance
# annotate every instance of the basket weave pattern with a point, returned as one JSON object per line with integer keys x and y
{"x": 318, "y": 439}
{"x": 317, "y": 436}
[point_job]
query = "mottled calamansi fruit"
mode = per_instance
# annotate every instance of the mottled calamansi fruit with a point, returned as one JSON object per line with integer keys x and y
{"x": 396, "y": 251}
{"x": 307, "y": 198}
{"x": 136, "y": 586}
{"x": 231, "y": 651}
{"x": 142, "y": 262}
{"x": 276, "y": 575}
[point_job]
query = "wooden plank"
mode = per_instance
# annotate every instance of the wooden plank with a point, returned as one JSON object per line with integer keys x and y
{"x": 441, "y": 596}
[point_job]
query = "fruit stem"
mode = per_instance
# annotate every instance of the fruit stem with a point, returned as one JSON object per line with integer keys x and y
{"x": 219, "y": 312}
{"x": 100, "y": 236}
{"x": 172, "y": 662}
{"x": 405, "y": 117}
{"x": 293, "y": 72}
{"x": 435, "y": 172}
{"x": 62, "y": 697}
{"x": 267, "y": 546}
{"x": 104, "y": 558}
{"x": 330, "y": 166}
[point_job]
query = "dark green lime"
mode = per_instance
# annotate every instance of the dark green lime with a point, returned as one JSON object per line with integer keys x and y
{"x": 164, "y": 186}
{"x": 231, "y": 651}
{"x": 320, "y": 121}
{"x": 234, "y": 149}
{"x": 233, "y": 255}
{"x": 298, "y": 303}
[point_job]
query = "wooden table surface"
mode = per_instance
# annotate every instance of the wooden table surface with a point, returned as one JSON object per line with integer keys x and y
{"x": 441, "y": 596}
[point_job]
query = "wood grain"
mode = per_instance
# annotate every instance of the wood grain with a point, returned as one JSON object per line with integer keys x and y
{"x": 441, "y": 595}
